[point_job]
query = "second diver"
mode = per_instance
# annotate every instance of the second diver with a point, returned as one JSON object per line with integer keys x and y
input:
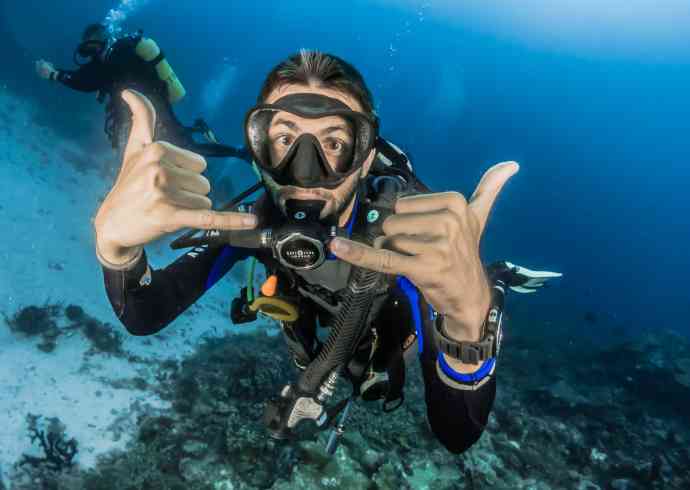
{"x": 108, "y": 65}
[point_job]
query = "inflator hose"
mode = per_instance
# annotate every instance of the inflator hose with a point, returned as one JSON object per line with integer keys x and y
{"x": 351, "y": 321}
{"x": 345, "y": 332}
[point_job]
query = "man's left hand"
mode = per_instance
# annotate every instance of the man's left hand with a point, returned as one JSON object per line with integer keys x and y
{"x": 433, "y": 240}
{"x": 44, "y": 69}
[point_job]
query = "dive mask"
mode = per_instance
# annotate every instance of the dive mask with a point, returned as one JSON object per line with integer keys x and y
{"x": 88, "y": 50}
{"x": 91, "y": 47}
{"x": 304, "y": 162}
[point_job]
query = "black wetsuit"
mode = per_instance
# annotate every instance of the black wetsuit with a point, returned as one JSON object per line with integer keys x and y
{"x": 457, "y": 416}
{"x": 122, "y": 68}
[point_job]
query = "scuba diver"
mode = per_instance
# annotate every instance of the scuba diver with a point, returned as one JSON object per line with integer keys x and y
{"x": 351, "y": 240}
{"x": 109, "y": 65}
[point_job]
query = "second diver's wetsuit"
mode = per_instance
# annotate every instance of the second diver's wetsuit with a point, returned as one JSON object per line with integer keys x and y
{"x": 146, "y": 300}
{"x": 120, "y": 68}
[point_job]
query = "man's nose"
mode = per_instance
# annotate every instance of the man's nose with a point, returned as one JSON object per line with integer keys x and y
{"x": 307, "y": 165}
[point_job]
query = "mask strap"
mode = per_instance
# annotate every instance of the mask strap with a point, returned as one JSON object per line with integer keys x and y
{"x": 257, "y": 172}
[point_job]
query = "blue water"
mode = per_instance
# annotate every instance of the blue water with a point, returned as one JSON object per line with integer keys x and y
{"x": 599, "y": 127}
{"x": 601, "y": 132}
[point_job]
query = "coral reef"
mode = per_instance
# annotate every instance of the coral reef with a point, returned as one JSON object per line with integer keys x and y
{"x": 588, "y": 418}
{"x": 34, "y": 320}
{"x": 43, "y": 321}
{"x": 103, "y": 336}
{"x": 58, "y": 451}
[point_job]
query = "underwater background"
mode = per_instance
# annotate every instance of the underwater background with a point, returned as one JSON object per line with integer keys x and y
{"x": 591, "y": 98}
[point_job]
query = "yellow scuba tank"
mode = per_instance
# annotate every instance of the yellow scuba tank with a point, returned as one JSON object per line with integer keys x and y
{"x": 148, "y": 50}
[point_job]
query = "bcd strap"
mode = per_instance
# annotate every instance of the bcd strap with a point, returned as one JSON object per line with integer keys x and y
{"x": 391, "y": 155}
{"x": 396, "y": 368}
{"x": 391, "y": 160}
{"x": 157, "y": 59}
{"x": 396, "y": 380}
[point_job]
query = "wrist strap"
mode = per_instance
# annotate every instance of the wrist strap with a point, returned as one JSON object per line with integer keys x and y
{"x": 465, "y": 381}
{"x": 488, "y": 345}
{"x": 467, "y": 352}
{"x": 120, "y": 267}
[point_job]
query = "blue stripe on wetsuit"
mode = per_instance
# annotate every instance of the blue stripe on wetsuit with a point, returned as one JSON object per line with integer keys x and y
{"x": 224, "y": 262}
{"x": 478, "y": 375}
{"x": 412, "y": 294}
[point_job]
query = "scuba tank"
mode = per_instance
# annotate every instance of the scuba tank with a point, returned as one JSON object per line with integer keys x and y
{"x": 148, "y": 50}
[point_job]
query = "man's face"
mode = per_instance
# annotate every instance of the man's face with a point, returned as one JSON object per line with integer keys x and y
{"x": 334, "y": 133}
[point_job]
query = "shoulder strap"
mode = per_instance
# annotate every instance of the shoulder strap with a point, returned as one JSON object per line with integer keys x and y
{"x": 392, "y": 156}
{"x": 136, "y": 35}
{"x": 392, "y": 161}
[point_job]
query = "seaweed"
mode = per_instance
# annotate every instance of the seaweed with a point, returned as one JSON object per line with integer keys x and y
{"x": 58, "y": 450}
{"x": 34, "y": 320}
{"x": 74, "y": 313}
{"x": 102, "y": 336}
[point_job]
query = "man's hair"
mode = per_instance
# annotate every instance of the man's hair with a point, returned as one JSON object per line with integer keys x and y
{"x": 95, "y": 31}
{"x": 310, "y": 67}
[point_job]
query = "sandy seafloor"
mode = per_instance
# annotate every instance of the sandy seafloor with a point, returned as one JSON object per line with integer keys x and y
{"x": 47, "y": 255}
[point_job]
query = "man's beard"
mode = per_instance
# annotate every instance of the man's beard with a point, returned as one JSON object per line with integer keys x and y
{"x": 337, "y": 200}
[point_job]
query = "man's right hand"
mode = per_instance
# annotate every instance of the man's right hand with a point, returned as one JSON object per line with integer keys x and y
{"x": 44, "y": 69}
{"x": 159, "y": 190}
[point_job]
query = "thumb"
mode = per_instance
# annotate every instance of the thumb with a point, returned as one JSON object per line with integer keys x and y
{"x": 143, "y": 122}
{"x": 487, "y": 190}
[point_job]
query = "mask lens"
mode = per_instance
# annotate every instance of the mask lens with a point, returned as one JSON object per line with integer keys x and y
{"x": 257, "y": 127}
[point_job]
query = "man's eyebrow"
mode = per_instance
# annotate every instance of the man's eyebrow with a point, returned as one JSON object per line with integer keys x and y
{"x": 284, "y": 122}
{"x": 337, "y": 127}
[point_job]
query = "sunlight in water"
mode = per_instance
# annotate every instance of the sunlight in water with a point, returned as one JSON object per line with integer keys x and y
{"x": 594, "y": 27}
{"x": 116, "y": 16}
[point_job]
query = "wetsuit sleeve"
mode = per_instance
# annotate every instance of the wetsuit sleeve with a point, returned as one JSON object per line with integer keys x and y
{"x": 457, "y": 416}
{"x": 146, "y": 300}
{"x": 88, "y": 78}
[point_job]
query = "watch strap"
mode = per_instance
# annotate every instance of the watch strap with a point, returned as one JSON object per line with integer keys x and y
{"x": 488, "y": 345}
{"x": 467, "y": 352}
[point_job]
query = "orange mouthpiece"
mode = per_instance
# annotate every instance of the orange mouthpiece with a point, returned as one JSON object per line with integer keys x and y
{"x": 269, "y": 287}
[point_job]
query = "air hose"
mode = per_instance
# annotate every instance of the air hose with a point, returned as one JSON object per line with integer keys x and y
{"x": 250, "y": 280}
{"x": 305, "y": 400}
{"x": 345, "y": 332}
{"x": 350, "y": 322}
